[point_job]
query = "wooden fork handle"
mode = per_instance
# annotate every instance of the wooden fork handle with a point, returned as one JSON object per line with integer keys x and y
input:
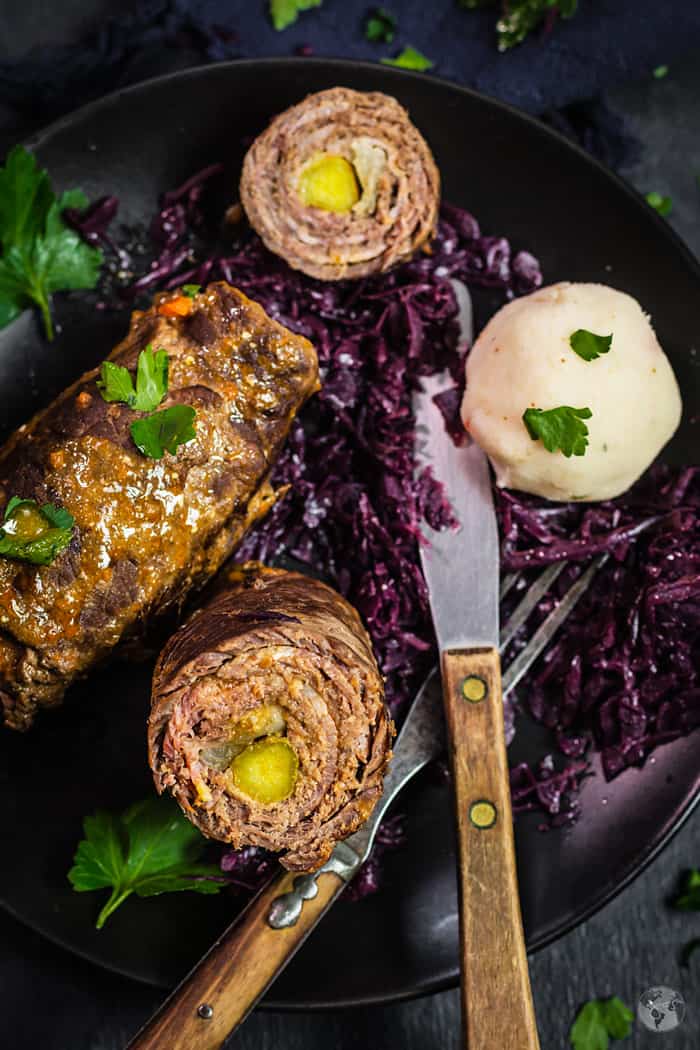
{"x": 497, "y": 1002}
{"x": 217, "y": 995}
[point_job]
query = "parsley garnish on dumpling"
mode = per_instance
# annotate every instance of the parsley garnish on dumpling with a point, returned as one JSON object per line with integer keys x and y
{"x": 559, "y": 429}
{"x": 588, "y": 345}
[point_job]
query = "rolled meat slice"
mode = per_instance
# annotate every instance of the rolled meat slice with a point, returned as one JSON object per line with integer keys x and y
{"x": 268, "y": 722}
{"x": 342, "y": 185}
{"x": 146, "y": 530}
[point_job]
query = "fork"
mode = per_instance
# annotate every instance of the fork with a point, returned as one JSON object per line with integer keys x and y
{"x": 225, "y": 985}
{"x": 538, "y": 588}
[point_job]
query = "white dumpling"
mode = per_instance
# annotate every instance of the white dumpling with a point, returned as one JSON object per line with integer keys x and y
{"x": 523, "y": 359}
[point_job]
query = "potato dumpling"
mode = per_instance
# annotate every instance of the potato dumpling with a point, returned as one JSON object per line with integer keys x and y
{"x": 524, "y": 360}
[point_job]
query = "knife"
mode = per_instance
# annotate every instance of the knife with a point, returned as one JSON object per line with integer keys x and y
{"x": 461, "y": 568}
{"x": 221, "y": 990}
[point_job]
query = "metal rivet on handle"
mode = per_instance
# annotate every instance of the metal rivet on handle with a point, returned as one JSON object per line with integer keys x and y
{"x": 205, "y": 1011}
{"x": 483, "y": 814}
{"x": 474, "y": 689}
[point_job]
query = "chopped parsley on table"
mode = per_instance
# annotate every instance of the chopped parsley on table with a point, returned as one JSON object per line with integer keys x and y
{"x": 559, "y": 429}
{"x": 158, "y": 432}
{"x": 688, "y": 898}
{"x": 519, "y": 17}
{"x": 150, "y": 849}
{"x": 598, "y": 1021}
{"x": 34, "y": 533}
{"x": 380, "y": 26}
{"x": 410, "y": 58}
{"x": 285, "y": 12}
{"x": 39, "y": 253}
{"x": 659, "y": 203}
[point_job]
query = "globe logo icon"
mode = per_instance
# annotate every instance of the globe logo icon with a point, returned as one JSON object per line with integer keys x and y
{"x": 661, "y": 1009}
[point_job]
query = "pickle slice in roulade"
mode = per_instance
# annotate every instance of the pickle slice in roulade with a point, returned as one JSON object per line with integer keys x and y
{"x": 342, "y": 185}
{"x": 145, "y": 519}
{"x": 268, "y": 722}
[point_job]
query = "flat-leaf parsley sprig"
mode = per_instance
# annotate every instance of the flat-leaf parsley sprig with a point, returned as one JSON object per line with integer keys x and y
{"x": 150, "y": 849}
{"x": 39, "y": 253}
{"x": 158, "y": 432}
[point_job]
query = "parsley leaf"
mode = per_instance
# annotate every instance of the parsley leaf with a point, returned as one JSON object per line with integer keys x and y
{"x": 159, "y": 432}
{"x": 285, "y": 12}
{"x": 380, "y": 26}
{"x": 191, "y": 290}
{"x": 660, "y": 72}
{"x": 519, "y": 17}
{"x": 409, "y": 59}
{"x": 588, "y": 1031}
{"x": 115, "y": 382}
{"x": 40, "y": 254}
{"x": 164, "y": 431}
{"x": 663, "y": 205}
{"x": 33, "y": 533}
{"x": 151, "y": 379}
{"x": 588, "y": 345}
{"x": 597, "y": 1021}
{"x": 150, "y": 849}
{"x": 688, "y": 899}
{"x": 559, "y": 428}
{"x": 617, "y": 1017}
{"x": 688, "y": 950}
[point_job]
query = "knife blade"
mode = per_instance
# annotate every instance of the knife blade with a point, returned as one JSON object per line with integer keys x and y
{"x": 460, "y": 565}
{"x": 461, "y": 568}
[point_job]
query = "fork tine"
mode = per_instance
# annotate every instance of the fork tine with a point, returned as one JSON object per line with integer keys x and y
{"x": 507, "y": 582}
{"x": 535, "y": 591}
{"x": 544, "y": 633}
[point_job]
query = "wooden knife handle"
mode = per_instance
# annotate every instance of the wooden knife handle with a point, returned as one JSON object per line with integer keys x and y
{"x": 217, "y": 995}
{"x": 497, "y": 1005}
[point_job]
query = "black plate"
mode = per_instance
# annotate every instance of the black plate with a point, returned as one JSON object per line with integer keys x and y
{"x": 521, "y": 180}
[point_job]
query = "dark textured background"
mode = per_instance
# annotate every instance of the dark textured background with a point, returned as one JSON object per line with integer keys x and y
{"x": 53, "y": 1001}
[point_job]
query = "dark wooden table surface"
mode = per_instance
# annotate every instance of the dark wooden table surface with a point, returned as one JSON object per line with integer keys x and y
{"x": 49, "y": 1000}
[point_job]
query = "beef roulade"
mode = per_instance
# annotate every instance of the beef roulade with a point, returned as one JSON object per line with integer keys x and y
{"x": 342, "y": 185}
{"x": 108, "y": 520}
{"x": 268, "y": 721}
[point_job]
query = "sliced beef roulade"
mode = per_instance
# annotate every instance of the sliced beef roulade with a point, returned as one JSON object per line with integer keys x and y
{"x": 113, "y": 511}
{"x": 268, "y": 721}
{"x": 342, "y": 185}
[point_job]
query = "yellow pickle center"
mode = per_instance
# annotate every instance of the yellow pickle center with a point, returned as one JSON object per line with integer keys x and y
{"x": 328, "y": 181}
{"x": 267, "y": 770}
{"x": 26, "y": 523}
{"x": 256, "y": 755}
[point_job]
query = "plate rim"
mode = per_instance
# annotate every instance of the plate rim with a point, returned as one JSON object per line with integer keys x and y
{"x": 43, "y": 137}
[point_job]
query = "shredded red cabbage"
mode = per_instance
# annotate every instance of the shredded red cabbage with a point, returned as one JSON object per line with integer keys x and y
{"x": 249, "y": 868}
{"x": 622, "y": 673}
